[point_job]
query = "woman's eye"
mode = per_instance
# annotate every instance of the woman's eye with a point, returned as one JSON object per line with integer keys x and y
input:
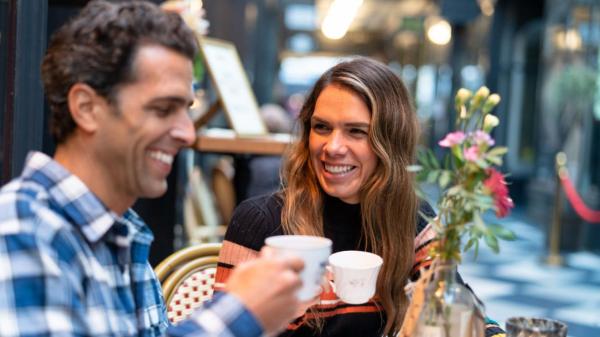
{"x": 320, "y": 127}
{"x": 359, "y": 132}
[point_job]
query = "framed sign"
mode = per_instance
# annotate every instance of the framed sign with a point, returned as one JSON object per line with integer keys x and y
{"x": 232, "y": 85}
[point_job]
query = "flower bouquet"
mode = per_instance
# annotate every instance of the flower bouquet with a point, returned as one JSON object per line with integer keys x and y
{"x": 470, "y": 185}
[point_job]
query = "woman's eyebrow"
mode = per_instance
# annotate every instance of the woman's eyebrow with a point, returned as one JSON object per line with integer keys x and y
{"x": 317, "y": 119}
{"x": 357, "y": 125}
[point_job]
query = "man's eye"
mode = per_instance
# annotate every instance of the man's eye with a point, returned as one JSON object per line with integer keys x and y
{"x": 163, "y": 111}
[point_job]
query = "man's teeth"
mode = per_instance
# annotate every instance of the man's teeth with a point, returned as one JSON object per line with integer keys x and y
{"x": 162, "y": 156}
{"x": 338, "y": 168}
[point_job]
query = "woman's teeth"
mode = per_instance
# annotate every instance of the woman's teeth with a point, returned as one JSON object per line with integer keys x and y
{"x": 338, "y": 169}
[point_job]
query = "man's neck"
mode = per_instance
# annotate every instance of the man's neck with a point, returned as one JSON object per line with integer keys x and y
{"x": 80, "y": 162}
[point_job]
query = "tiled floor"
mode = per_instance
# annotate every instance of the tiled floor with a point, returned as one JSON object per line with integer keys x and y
{"x": 517, "y": 282}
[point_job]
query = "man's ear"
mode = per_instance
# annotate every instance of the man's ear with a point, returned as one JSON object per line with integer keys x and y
{"x": 85, "y": 106}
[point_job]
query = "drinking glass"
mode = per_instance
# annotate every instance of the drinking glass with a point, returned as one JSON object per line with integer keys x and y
{"x": 535, "y": 327}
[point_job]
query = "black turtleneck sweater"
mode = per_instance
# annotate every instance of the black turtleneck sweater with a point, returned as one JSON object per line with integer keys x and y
{"x": 258, "y": 218}
{"x": 342, "y": 224}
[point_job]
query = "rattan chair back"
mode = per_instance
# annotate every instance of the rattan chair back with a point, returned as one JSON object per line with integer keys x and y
{"x": 187, "y": 278}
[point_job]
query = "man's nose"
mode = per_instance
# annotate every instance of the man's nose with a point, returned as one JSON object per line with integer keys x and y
{"x": 184, "y": 130}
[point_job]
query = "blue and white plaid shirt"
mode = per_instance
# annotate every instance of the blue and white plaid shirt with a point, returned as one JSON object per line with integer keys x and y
{"x": 71, "y": 267}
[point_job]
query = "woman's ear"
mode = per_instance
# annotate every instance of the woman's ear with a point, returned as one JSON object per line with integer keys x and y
{"x": 85, "y": 106}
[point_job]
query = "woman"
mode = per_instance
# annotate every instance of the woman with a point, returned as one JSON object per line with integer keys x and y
{"x": 346, "y": 179}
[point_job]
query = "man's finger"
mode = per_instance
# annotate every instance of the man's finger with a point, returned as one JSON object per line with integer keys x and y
{"x": 294, "y": 263}
{"x": 267, "y": 252}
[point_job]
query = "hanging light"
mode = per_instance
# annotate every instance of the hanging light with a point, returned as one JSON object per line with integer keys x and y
{"x": 439, "y": 30}
{"x": 340, "y": 15}
{"x": 568, "y": 39}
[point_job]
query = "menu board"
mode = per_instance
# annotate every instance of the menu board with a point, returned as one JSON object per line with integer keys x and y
{"x": 230, "y": 80}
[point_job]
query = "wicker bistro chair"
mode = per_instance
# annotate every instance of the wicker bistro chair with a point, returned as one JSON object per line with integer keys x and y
{"x": 187, "y": 277}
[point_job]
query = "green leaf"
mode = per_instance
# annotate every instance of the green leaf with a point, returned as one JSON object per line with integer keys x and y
{"x": 469, "y": 244}
{"x": 421, "y": 176}
{"x": 414, "y": 168}
{"x": 419, "y": 192}
{"x": 502, "y": 232}
{"x": 457, "y": 153}
{"x": 476, "y": 250}
{"x": 454, "y": 190}
{"x": 423, "y": 158}
{"x": 433, "y": 160}
{"x": 479, "y": 224}
{"x": 432, "y": 176}
{"x": 482, "y": 163}
{"x": 498, "y": 151}
{"x": 494, "y": 160}
{"x": 445, "y": 178}
{"x": 492, "y": 242}
{"x": 485, "y": 202}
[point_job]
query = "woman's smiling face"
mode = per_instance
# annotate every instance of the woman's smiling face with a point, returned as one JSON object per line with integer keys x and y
{"x": 339, "y": 147}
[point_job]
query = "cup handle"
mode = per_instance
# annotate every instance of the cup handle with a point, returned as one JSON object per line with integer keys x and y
{"x": 329, "y": 278}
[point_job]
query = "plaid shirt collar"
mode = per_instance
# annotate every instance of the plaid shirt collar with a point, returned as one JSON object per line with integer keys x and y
{"x": 71, "y": 197}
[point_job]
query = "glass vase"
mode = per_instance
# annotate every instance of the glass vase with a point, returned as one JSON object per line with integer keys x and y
{"x": 450, "y": 309}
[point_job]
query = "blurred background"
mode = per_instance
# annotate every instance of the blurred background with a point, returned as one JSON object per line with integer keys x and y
{"x": 541, "y": 56}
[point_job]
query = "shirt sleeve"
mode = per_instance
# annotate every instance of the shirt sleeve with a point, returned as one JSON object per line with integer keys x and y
{"x": 37, "y": 296}
{"x": 223, "y": 316}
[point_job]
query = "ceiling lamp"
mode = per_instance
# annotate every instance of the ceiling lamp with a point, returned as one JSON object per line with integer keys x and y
{"x": 568, "y": 39}
{"x": 339, "y": 17}
{"x": 439, "y": 31}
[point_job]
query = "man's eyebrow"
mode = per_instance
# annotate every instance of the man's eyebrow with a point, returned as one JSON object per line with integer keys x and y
{"x": 172, "y": 99}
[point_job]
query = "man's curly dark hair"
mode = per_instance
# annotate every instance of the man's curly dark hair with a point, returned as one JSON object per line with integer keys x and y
{"x": 98, "y": 47}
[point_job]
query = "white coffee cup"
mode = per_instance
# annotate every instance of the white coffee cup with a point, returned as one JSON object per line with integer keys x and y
{"x": 355, "y": 275}
{"x": 313, "y": 250}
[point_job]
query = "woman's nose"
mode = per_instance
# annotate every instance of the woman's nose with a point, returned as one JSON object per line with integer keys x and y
{"x": 336, "y": 144}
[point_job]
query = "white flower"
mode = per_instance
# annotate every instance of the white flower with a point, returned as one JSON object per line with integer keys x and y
{"x": 463, "y": 95}
{"x": 482, "y": 93}
{"x": 490, "y": 122}
{"x": 490, "y": 103}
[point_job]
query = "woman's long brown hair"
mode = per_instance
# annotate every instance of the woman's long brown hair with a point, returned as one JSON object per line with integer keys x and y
{"x": 388, "y": 201}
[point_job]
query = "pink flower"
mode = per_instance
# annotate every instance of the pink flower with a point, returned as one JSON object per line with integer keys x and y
{"x": 496, "y": 185}
{"x": 453, "y": 138}
{"x": 472, "y": 153}
{"x": 481, "y": 137}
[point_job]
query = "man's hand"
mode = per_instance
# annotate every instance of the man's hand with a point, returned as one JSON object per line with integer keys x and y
{"x": 267, "y": 286}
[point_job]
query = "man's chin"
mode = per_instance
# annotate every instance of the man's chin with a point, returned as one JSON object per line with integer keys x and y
{"x": 155, "y": 190}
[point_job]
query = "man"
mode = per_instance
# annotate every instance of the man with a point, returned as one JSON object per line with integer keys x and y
{"x": 73, "y": 256}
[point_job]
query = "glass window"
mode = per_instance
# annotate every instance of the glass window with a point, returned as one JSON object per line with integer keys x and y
{"x": 4, "y": 20}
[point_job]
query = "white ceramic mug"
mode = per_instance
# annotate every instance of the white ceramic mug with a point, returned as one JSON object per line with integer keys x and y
{"x": 313, "y": 250}
{"x": 355, "y": 275}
